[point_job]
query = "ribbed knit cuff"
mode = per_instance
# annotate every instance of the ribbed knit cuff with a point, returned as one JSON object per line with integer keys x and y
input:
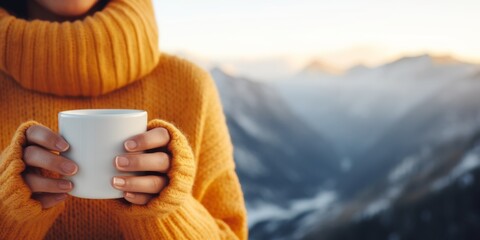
{"x": 181, "y": 177}
{"x": 16, "y": 204}
{"x": 190, "y": 221}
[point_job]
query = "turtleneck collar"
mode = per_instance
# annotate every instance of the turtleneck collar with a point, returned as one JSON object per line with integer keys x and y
{"x": 89, "y": 57}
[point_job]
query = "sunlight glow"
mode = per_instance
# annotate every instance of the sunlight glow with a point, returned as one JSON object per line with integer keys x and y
{"x": 346, "y": 32}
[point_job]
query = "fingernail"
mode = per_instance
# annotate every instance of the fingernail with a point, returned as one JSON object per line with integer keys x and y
{"x": 65, "y": 185}
{"x": 62, "y": 145}
{"x": 68, "y": 167}
{"x": 122, "y": 161}
{"x": 119, "y": 182}
{"x": 61, "y": 197}
{"x": 130, "y": 145}
{"x": 129, "y": 195}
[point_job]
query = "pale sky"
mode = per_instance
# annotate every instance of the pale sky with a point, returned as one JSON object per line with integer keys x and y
{"x": 344, "y": 32}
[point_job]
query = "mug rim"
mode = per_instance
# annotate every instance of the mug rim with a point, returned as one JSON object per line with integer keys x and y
{"x": 102, "y": 113}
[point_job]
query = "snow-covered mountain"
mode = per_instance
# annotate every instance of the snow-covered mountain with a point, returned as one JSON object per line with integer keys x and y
{"x": 371, "y": 154}
{"x": 279, "y": 158}
{"x": 418, "y": 133}
{"x": 354, "y": 109}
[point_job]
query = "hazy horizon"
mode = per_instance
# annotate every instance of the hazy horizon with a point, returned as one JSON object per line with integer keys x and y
{"x": 283, "y": 67}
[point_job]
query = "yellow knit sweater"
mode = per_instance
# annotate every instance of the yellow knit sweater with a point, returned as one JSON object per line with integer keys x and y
{"x": 111, "y": 60}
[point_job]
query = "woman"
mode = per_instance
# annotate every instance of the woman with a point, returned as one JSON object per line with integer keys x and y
{"x": 72, "y": 54}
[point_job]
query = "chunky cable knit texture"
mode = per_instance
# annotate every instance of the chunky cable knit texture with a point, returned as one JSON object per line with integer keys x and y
{"x": 108, "y": 50}
{"x": 203, "y": 199}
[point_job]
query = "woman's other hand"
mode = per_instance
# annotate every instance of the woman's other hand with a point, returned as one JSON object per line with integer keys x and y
{"x": 39, "y": 154}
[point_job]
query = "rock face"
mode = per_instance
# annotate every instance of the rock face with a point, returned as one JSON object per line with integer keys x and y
{"x": 278, "y": 156}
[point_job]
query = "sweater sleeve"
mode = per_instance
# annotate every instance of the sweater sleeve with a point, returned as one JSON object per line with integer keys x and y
{"x": 21, "y": 217}
{"x": 203, "y": 199}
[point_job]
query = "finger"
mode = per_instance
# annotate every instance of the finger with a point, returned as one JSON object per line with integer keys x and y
{"x": 138, "y": 198}
{"x": 155, "y": 138}
{"x": 44, "y": 137}
{"x": 38, "y": 183}
{"x": 155, "y": 162}
{"x": 49, "y": 200}
{"x": 38, "y": 157}
{"x": 141, "y": 184}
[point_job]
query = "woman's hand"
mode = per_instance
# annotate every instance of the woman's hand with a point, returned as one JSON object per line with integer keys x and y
{"x": 140, "y": 189}
{"x": 37, "y": 155}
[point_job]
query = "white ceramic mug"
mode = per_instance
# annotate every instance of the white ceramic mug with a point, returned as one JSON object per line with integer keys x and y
{"x": 96, "y": 137}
